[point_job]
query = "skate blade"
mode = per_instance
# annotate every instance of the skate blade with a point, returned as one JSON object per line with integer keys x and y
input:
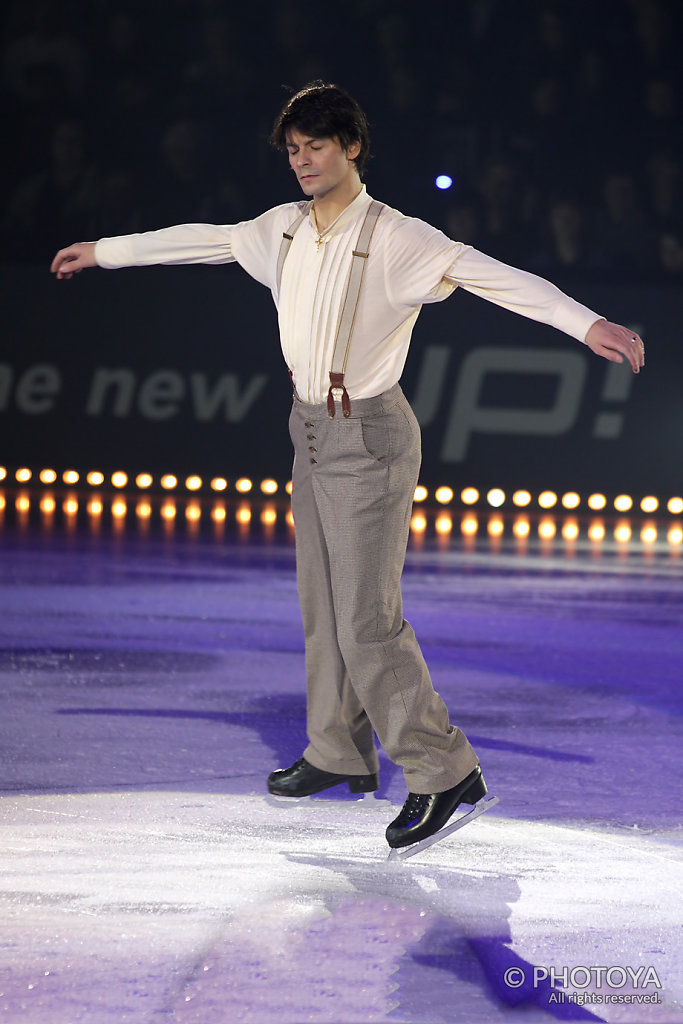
{"x": 364, "y": 801}
{"x": 481, "y": 806}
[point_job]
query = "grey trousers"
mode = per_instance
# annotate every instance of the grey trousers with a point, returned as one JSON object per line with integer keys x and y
{"x": 353, "y": 486}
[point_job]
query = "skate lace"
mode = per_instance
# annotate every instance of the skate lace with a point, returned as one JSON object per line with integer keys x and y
{"x": 413, "y": 808}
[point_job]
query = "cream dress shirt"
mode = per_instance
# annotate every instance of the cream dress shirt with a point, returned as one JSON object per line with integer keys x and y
{"x": 410, "y": 264}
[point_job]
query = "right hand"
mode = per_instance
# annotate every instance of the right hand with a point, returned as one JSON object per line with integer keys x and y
{"x": 73, "y": 259}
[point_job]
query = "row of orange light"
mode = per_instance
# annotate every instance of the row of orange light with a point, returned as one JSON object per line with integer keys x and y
{"x": 143, "y": 481}
{"x": 143, "y": 509}
{"x": 495, "y": 497}
{"x": 547, "y": 528}
{"x": 546, "y": 500}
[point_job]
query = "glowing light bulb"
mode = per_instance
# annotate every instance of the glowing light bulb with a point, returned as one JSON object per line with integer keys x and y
{"x": 623, "y": 502}
{"x": 570, "y": 530}
{"x": 546, "y": 529}
{"x": 269, "y": 486}
{"x": 443, "y": 524}
{"x": 469, "y": 496}
{"x": 521, "y": 528}
{"x": 496, "y": 497}
{"x": 420, "y": 493}
{"x": 521, "y": 499}
{"x": 443, "y": 495}
{"x": 622, "y": 533}
{"x": 469, "y": 526}
{"x": 443, "y": 181}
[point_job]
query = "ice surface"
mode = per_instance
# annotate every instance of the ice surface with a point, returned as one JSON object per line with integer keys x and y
{"x": 150, "y": 685}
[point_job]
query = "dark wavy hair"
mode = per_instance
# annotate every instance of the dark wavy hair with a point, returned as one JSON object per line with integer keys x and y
{"x": 322, "y": 110}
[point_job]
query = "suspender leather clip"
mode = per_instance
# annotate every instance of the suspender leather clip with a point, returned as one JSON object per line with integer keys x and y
{"x": 337, "y": 384}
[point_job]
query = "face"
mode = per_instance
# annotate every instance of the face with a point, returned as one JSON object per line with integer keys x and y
{"x": 321, "y": 165}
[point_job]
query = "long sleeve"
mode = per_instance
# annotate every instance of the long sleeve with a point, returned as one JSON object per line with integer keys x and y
{"x": 521, "y": 292}
{"x": 184, "y": 243}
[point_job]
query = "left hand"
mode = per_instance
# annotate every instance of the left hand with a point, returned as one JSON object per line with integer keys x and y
{"x": 613, "y": 342}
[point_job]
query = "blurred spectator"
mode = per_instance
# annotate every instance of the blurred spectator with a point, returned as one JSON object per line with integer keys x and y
{"x": 670, "y": 252}
{"x": 463, "y": 222}
{"x": 567, "y": 248}
{"x": 182, "y": 187}
{"x": 47, "y": 62}
{"x": 121, "y": 203}
{"x": 58, "y": 199}
{"x": 624, "y": 231}
{"x": 665, "y": 202}
{"x": 506, "y": 232}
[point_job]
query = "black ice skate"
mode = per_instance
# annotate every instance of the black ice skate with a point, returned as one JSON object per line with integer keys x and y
{"x": 302, "y": 779}
{"x": 422, "y": 821}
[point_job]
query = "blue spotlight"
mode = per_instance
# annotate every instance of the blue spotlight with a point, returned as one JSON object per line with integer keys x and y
{"x": 443, "y": 181}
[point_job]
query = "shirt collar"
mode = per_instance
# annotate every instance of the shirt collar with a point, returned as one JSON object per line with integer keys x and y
{"x": 359, "y": 204}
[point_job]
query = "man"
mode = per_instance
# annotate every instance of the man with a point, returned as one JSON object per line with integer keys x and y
{"x": 349, "y": 277}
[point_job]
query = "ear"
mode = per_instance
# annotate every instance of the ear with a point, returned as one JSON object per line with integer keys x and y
{"x": 353, "y": 151}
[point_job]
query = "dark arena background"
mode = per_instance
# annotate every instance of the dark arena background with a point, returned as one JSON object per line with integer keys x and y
{"x": 151, "y": 654}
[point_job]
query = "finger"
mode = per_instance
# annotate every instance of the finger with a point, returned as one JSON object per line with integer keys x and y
{"x": 638, "y": 349}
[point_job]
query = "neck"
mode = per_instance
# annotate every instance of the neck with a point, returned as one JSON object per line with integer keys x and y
{"x": 327, "y": 208}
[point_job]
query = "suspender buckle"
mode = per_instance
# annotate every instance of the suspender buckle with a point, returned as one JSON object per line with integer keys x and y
{"x": 337, "y": 384}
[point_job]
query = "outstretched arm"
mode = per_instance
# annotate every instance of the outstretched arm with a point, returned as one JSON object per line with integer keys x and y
{"x": 73, "y": 259}
{"x": 181, "y": 244}
{"x": 538, "y": 299}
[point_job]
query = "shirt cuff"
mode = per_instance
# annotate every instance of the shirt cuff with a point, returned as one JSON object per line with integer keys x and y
{"x": 574, "y": 319}
{"x": 113, "y": 253}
